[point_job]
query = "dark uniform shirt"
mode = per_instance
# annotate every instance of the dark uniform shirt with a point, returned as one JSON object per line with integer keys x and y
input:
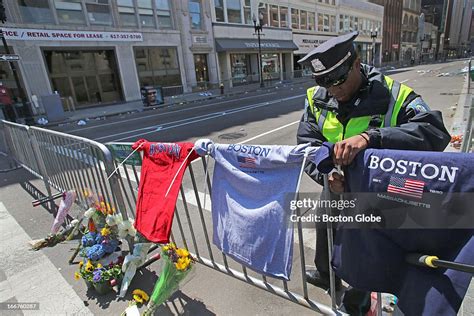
{"x": 418, "y": 128}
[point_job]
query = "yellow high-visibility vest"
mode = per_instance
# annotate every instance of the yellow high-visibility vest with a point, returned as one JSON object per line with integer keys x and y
{"x": 335, "y": 131}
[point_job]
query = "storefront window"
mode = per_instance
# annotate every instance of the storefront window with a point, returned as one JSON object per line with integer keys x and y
{"x": 274, "y": 16}
{"x": 145, "y": 12}
{"x": 341, "y": 23}
{"x": 346, "y": 23}
{"x": 86, "y": 76}
{"x": 219, "y": 9}
{"x": 163, "y": 12}
{"x": 295, "y": 23}
{"x": 99, "y": 12}
{"x": 69, "y": 11}
{"x": 200, "y": 66}
{"x": 157, "y": 66}
{"x": 126, "y": 13}
{"x": 326, "y": 23}
{"x": 303, "y": 20}
{"x": 240, "y": 67}
{"x": 247, "y": 12}
{"x": 263, "y": 10}
{"x": 311, "y": 21}
{"x": 283, "y": 17}
{"x": 35, "y": 11}
{"x": 195, "y": 14}
{"x": 233, "y": 11}
{"x": 332, "y": 23}
{"x": 271, "y": 66}
{"x": 320, "y": 22}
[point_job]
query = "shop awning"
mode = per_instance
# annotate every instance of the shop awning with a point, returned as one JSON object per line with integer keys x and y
{"x": 229, "y": 44}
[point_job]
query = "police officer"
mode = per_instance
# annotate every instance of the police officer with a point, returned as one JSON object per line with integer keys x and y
{"x": 355, "y": 107}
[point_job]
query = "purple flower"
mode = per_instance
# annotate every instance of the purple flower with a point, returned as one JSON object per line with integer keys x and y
{"x": 97, "y": 275}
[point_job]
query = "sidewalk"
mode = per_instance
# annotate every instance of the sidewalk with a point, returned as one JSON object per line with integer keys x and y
{"x": 101, "y": 112}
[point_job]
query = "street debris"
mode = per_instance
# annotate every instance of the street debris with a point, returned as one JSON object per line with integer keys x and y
{"x": 42, "y": 121}
{"x": 205, "y": 94}
{"x": 456, "y": 141}
{"x": 81, "y": 123}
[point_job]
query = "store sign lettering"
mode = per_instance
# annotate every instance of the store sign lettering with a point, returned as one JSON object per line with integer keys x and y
{"x": 263, "y": 45}
{"x": 55, "y": 35}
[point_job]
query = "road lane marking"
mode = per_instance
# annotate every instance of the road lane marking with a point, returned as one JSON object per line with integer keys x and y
{"x": 404, "y": 80}
{"x": 196, "y": 119}
{"x": 269, "y": 132}
{"x": 161, "y": 114}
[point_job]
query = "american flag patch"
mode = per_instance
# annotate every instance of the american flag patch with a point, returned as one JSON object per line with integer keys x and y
{"x": 407, "y": 187}
{"x": 247, "y": 162}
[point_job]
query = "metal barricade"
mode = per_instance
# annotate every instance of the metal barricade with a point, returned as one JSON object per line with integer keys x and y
{"x": 66, "y": 162}
{"x": 193, "y": 226}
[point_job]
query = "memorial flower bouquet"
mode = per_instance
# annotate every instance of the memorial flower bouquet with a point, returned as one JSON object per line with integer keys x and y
{"x": 101, "y": 278}
{"x": 177, "y": 263}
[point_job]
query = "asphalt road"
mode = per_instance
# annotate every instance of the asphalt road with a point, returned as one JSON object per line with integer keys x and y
{"x": 268, "y": 116}
{"x": 271, "y": 111}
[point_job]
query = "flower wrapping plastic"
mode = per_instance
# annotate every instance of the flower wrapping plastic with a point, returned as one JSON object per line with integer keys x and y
{"x": 170, "y": 279}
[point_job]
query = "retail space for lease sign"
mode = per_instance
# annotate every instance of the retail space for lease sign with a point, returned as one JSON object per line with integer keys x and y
{"x": 63, "y": 35}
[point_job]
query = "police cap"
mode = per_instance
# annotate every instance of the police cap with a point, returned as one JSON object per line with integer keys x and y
{"x": 332, "y": 59}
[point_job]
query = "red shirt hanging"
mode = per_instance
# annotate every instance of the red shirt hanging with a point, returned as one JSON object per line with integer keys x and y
{"x": 161, "y": 162}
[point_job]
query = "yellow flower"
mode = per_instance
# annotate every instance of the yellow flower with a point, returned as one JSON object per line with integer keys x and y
{"x": 166, "y": 248}
{"x": 105, "y": 231}
{"x": 172, "y": 245}
{"x": 99, "y": 266}
{"x": 89, "y": 266}
{"x": 77, "y": 276}
{"x": 183, "y": 263}
{"x": 182, "y": 252}
{"x": 81, "y": 263}
{"x": 140, "y": 296}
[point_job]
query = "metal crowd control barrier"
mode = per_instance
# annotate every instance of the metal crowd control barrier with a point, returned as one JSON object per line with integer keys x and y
{"x": 65, "y": 162}
{"x": 193, "y": 226}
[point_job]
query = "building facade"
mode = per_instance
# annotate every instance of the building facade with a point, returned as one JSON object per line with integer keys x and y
{"x": 392, "y": 21}
{"x": 367, "y": 19}
{"x": 291, "y": 29}
{"x": 94, "y": 52}
{"x": 458, "y": 22}
{"x": 411, "y": 12}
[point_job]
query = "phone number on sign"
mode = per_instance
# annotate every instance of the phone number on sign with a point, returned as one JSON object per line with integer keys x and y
{"x": 126, "y": 36}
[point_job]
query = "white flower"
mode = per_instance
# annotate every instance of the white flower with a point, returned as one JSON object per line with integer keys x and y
{"x": 89, "y": 212}
{"x": 126, "y": 228}
{"x": 113, "y": 220}
{"x": 74, "y": 222}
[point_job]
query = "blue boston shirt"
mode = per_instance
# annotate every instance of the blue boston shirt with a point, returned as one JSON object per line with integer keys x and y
{"x": 250, "y": 211}
{"x": 423, "y": 189}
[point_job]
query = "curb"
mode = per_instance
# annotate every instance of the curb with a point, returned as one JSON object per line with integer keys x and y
{"x": 461, "y": 115}
{"x": 166, "y": 105}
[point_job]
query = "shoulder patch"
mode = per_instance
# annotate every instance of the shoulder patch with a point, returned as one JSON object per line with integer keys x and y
{"x": 418, "y": 106}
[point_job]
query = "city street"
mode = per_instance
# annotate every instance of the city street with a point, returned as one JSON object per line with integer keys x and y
{"x": 267, "y": 116}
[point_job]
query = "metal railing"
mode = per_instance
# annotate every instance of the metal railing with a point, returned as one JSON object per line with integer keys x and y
{"x": 65, "y": 162}
{"x": 466, "y": 145}
{"x": 193, "y": 226}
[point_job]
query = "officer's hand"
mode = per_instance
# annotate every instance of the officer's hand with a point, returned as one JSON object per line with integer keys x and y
{"x": 336, "y": 183}
{"x": 346, "y": 150}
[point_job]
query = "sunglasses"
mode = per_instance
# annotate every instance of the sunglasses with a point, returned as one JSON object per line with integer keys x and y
{"x": 328, "y": 81}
